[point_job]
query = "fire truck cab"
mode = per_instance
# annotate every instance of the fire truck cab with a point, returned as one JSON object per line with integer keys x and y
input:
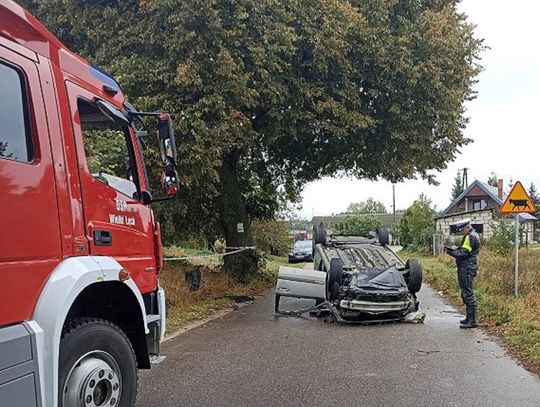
{"x": 81, "y": 308}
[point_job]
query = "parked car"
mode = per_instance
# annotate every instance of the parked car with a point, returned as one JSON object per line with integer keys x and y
{"x": 358, "y": 277}
{"x": 301, "y": 251}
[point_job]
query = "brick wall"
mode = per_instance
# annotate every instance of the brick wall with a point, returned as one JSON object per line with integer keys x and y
{"x": 483, "y": 217}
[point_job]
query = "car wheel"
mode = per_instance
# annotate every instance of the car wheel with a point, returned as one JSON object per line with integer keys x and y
{"x": 97, "y": 365}
{"x": 414, "y": 278}
{"x": 291, "y": 259}
{"x": 334, "y": 278}
{"x": 317, "y": 260}
{"x": 319, "y": 235}
{"x": 383, "y": 235}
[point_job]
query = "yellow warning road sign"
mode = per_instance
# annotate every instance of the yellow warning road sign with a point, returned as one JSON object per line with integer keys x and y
{"x": 518, "y": 201}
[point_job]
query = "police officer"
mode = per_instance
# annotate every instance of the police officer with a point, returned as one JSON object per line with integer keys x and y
{"x": 466, "y": 256}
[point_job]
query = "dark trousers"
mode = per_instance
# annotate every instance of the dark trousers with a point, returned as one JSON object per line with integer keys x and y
{"x": 466, "y": 280}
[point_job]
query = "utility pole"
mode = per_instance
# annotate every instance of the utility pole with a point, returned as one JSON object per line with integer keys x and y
{"x": 394, "y": 201}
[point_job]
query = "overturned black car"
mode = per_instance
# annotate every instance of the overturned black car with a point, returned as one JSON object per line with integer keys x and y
{"x": 355, "y": 277}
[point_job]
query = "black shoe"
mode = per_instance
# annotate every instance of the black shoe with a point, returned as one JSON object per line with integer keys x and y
{"x": 471, "y": 316}
{"x": 464, "y": 321}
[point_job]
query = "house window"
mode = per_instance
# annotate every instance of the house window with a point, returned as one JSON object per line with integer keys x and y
{"x": 478, "y": 227}
{"x": 479, "y": 204}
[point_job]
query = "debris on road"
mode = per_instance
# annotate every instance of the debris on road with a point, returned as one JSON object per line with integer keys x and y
{"x": 416, "y": 317}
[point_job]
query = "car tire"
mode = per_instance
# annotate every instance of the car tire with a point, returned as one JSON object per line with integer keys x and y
{"x": 319, "y": 235}
{"x": 96, "y": 360}
{"x": 334, "y": 279}
{"x": 414, "y": 275}
{"x": 383, "y": 235}
{"x": 317, "y": 260}
{"x": 291, "y": 259}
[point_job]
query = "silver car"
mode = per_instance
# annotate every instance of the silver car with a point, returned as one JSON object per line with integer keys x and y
{"x": 357, "y": 277}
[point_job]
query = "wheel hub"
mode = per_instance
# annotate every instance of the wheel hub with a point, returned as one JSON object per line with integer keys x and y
{"x": 93, "y": 382}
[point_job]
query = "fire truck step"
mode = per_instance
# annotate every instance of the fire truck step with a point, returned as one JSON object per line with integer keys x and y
{"x": 152, "y": 318}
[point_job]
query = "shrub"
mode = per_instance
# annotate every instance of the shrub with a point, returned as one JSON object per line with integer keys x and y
{"x": 502, "y": 239}
{"x": 271, "y": 236}
{"x": 416, "y": 227}
{"x": 358, "y": 225}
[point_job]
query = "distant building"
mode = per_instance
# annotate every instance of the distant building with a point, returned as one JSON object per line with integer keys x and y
{"x": 481, "y": 203}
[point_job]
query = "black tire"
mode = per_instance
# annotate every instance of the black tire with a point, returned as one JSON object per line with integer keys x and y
{"x": 317, "y": 261}
{"x": 383, "y": 235}
{"x": 88, "y": 342}
{"x": 319, "y": 235}
{"x": 414, "y": 275}
{"x": 291, "y": 259}
{"x": 334, "y": 279}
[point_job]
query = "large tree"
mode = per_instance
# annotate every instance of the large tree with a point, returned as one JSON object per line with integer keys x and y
{"x": 370, "y": 205}
{"x": 268, "y": 95}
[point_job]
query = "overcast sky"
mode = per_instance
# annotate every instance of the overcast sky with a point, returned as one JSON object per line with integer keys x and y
{"x": 504, "y": 118}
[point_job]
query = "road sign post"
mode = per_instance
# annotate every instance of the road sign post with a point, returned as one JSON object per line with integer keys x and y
{"x": 518, "y": 201}
{"x": 516, "y": 257}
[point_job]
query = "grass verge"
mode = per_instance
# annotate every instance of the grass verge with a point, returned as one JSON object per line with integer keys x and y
{"x": 516, "y": 321}
{"x": 217, "y": 291}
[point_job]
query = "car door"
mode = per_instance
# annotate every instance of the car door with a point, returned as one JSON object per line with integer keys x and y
{"x": 117, "y": 223}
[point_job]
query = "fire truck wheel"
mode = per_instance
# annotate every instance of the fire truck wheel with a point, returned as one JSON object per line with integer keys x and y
{"x": 97, "y": 365}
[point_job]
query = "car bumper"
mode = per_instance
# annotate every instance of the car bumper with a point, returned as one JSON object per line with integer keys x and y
{"x": 301, "y": 257}
{"x": 375, "y": 308}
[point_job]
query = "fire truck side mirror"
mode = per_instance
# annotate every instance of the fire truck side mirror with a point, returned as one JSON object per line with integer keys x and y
{"x": 167, "y": 144}
{"x": 169, "y": 182}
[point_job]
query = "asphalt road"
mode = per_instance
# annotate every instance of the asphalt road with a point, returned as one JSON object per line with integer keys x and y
{"x": 252, "y": 358}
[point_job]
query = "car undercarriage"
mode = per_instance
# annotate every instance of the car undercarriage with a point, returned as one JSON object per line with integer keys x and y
{"x": 357, "y": 278}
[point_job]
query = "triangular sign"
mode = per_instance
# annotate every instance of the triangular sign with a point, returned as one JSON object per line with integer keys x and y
{"x": 518, "y": 201}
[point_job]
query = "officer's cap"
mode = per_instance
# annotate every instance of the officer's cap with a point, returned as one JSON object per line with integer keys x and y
{"x": 461, "y": 224}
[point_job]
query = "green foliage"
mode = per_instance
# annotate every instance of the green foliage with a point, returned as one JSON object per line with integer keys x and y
{"x": 502, "y": 239}
{"x": 457, "y": 188}
{"x": 271, "y": 236}
{"x": 416, "y": 227}
{"x": 368, "y": 206}
{"x": 106, "y": 151}
{"x": 358, "y": 225}
{"x": 3, "y": 148}
{"x": 267, "y": 95}
{"x": 493, "y": 179}
{"x": 535, "y": 197}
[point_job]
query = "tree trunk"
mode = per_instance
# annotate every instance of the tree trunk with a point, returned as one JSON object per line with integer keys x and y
{"x": 234, "y": 215}
{"x": 242, "y": 266}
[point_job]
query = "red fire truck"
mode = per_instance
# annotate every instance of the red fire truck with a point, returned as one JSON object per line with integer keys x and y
{"x": 81, "y": 308}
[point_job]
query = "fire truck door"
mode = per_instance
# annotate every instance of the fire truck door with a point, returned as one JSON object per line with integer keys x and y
{"x": 29, "y": 227}
{"x": 117, "y": 223}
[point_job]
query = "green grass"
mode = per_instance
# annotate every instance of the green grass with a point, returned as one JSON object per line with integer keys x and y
{"x": 186, "y": 306}
{"x": 515, "y": 321}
